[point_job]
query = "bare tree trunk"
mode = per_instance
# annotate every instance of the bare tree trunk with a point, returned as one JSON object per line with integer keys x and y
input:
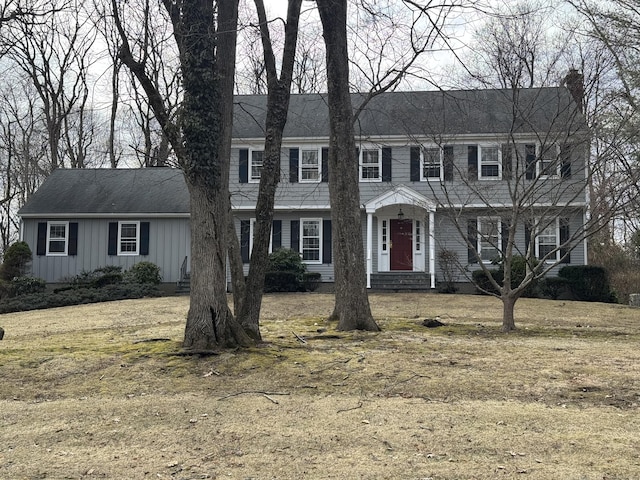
{"x": 238, "y": 285}
{"x": 210, "y": 323}
{"x": 277, "y": 109}
{"x": 352, "y": 309}
{"x": 508, "y": 307}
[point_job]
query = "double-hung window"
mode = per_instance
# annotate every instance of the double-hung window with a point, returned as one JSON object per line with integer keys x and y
{"x": 547, "y": 241}
{"x": 370, "y": 165}
{"x": 310, "y": 165}
{"x": 57, "y": 238}
{"x": 255, "y": 165}
{"x": 489, "y": 238}
{"x": 431, "y": 163}
{"x": 548, "y": 164}
{"x": 489, "y": 162}
{"x": 311, "y": 236}
{"x": 128, "y": 238}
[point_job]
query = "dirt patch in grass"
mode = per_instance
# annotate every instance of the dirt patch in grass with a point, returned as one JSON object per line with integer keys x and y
{"x": 97, "y": 391}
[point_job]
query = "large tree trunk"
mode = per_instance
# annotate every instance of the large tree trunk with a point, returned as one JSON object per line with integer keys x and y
{"x": 210, "y": 324}
{"x": 277, "y": 110}
{"x": 208, "y": 117}
{"x": 352, "y": 309}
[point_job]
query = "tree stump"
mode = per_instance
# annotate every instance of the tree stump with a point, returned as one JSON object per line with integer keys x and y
{"x": 634, "y": 299}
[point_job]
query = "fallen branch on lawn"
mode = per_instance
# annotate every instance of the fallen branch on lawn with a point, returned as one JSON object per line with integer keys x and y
{"x": 255, "y": 392}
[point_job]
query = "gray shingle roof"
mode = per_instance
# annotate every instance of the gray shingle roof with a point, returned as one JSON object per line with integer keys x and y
{"x": 423, "y": 113}
{"x": 109, "y": 191}
{"x": 163, "y": 190}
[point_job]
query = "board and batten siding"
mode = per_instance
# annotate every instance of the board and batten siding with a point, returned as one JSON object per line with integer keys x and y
{"x": 169, "y": 244}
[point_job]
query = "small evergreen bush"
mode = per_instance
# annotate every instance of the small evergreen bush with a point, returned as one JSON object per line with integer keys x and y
{"x": 27, "y": 285}
{"x": 15, "y": 261}
{"x": 552, "y": 287}
{"x": 588, "y": 283}
{"x": 286, "y": 272}
{"x": 311, "y": 281}
{"x": 144, "y": 272}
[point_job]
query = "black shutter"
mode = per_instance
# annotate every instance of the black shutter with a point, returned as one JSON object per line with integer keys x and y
{"x": 113, "y": 239}
{"x": 565, "y": 161}
{"x": 527, "y": 238}
{"x": 565, "y": 252}
{"x": 295, "y": 235}
{"x": 73, "y": 239}
{"x": 386, "y": 164}
{"x": 448, "y": 163}
{"x": 530, "y": 161}
{"x": 472, "y": 162}
{"x": 507, "y": 161}
{"x": 326, "y": 241}
{"x": 294, "y": 157}
{"x": 505, "y": 237}
{"x": 276, "y": 235}
{"x": 245, "y": 234}
{"x": 414, "y": 163}
{"x": 472, "y": 237}
{"x": 41, "y": 248}
{"x": 325, "y": 164}
{"x": 144, "y": 238}
{"x": 243, "y": 163}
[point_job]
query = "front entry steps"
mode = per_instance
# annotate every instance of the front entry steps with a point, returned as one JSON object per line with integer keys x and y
{"x": 399, "y": 281}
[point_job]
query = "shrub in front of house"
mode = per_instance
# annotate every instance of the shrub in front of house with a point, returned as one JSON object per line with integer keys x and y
{"x": 553, "y": 287}
{"x": 143, "y": 273}
{"x": 15, "y": 261}
{"x": 78, "y": 296}
{"x": 285, "y": 272}
{"x": 27, "y": 285}
{"x": 588, "y": 283}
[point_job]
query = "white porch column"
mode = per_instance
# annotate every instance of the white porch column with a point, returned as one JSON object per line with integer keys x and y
{"x": 369, "y": 243}
{"x": 432, "y": 249}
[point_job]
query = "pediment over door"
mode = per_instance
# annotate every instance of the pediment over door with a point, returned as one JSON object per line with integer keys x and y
{"x": 400, "y": 195}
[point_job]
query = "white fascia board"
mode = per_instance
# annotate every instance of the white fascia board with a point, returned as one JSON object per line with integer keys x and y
{"x": 105, "y": 215}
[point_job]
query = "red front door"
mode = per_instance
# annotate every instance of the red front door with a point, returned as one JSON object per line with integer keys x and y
{"x": 401, "y": 244}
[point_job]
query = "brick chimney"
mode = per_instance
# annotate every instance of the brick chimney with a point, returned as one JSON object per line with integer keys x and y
{"x": 574, "y": 81}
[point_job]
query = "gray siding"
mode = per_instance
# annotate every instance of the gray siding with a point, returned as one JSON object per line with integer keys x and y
{"x": 169, "y": 243}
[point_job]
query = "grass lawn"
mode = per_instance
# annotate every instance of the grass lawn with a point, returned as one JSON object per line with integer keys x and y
{"x": 97, "y": 391}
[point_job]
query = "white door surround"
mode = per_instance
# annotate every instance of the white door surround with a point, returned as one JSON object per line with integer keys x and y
{"x": 413, "y": 206}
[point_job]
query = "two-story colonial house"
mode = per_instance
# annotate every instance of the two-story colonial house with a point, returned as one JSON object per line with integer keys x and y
{"x": 439, "y": 171}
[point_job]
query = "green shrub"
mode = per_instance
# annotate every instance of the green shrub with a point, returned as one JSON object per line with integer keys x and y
{"x": 78, "y": 296}
{"x": 27, "y": 285}
{"x": 286, "y": 260}
{"x": 588, "y": 283}
{"x": 311, "y": 281}
{"x": 144, "y": 272}
{"x": 553, "y": 287}
{"x": 286, "y": 272}
{"x": 282, "y": 282}
{"x": 15, "y": 261}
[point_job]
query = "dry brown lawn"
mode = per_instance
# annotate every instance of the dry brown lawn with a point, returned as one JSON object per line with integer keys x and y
{"x": 97, "y": 391}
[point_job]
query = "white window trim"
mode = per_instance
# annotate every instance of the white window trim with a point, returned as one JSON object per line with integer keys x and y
{"x": 479, "y": 222}
{"x": 497, "y": 147}
{"x": 252, "y": 223}
{"x": 250, "y": 164}
{"x": 137, "y": 251}
{"x": 422, "y": 165}
{"x": 360, "y": 165}
{"x": 552, "y": 259}
{"x": 539, "y": 173}
{"x": 66, "y": 239}
{"x": 318, "y": 149}
{"x": 320, "y": 237}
